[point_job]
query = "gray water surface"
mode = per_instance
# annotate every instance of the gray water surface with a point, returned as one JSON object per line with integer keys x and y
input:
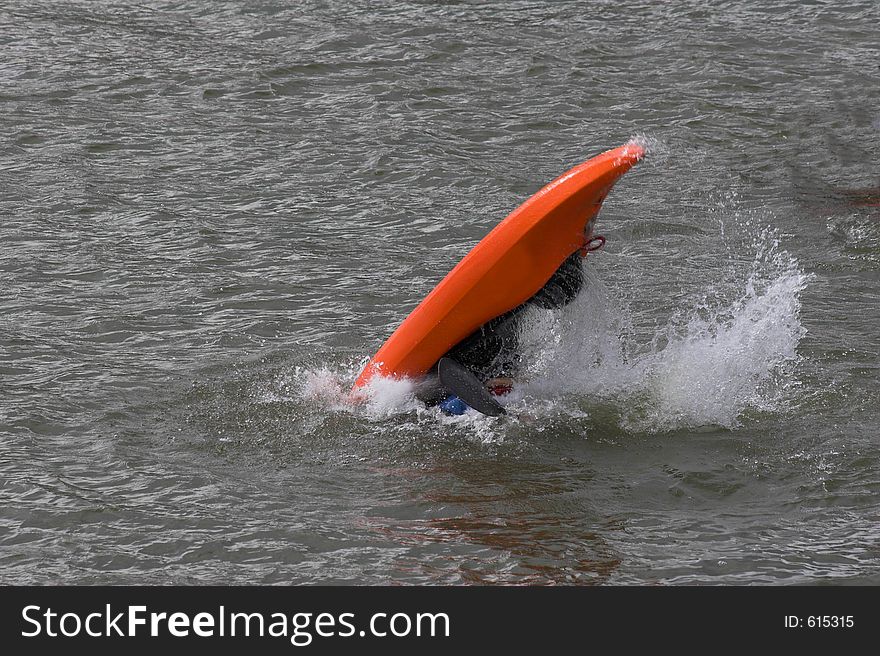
{"x": 212, "y": 213}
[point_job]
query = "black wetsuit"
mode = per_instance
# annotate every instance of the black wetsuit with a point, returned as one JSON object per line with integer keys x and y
{"x": 493, "y": 350}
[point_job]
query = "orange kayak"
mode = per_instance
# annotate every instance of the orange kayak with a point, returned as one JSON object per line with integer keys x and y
{"x": 505, "y": 269}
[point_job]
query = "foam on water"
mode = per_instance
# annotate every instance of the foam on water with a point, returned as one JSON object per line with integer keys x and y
{"x": 706, "y": 366}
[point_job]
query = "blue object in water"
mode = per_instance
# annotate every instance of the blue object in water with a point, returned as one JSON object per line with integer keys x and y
{"x": 452, "y": 405}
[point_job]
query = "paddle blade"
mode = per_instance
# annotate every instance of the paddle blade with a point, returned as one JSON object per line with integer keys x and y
{"x": 465, "y": 385}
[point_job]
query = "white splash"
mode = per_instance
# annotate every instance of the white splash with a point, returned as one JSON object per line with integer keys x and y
{"x": 705, "y": 367}
{"x": 709, "y": 363}
{"x": 651, "y": 145}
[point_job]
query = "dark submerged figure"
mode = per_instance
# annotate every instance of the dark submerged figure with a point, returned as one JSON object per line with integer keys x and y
{"x": 491, "y": 354}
